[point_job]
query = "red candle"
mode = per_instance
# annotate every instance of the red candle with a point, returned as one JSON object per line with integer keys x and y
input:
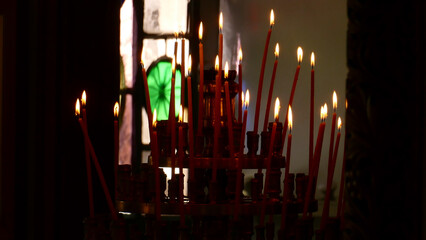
{"x": 240, "y": 156}
{"x": 342, "y": 179}
{"x": 181, "y": 157}
{"x": 287, "y": 169}
{"x": 268, "y": 163}
{"x": 326, "y": 209}
{"x": 293, "y": 89}
{"x": 147, "y": 99}
{"x": 333, "y": 128}
{"x": 311, "y": 115}
{"x": 271, "y": 88}
{"x": 262, "y": 71}
{"x": 172, "y": 118}
{"x": 155, "y": 157}
{"x": 97, "y": 166}
{"x": 83, "y": 121}
{"x": 220, "y": 43}
{"x": 229, "y": 115}
{"x": 240, "y": 84}
{"x": 182, "y": 74}
{"x": 116, "y": 144}
{"x": 190, "y": 122}
{"x": 201, "y": 88}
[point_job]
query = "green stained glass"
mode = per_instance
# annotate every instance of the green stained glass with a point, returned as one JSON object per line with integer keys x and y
{"x": 159, "y": 83}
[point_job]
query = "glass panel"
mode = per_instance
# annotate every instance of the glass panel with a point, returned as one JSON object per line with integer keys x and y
{"x": 126, "y": 42}
{"x": 145, "y": 128}
{"x": 125, "y": 151}
{"x": 165, "y": 16}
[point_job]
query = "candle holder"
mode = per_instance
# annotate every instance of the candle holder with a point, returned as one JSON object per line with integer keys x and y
{"x": 278, "y": 136}
{"x": 124, "y": 188}
{"x": 304, "y": 229}
{"x": 270, "y": 230}
{"x": 236, "y": 129}
{"x": 252, "y": 143}
{"x": 290, "y": 186}
{"x": 301, "y": 186}
{"x": 265, "y": 139}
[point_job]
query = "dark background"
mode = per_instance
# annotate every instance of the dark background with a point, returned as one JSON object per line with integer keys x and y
{"x": 55, "y": 49}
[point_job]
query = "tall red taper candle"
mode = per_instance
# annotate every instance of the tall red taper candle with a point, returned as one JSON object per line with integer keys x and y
{"x": 326, "y": 209}
{"x": 217, "y": 128}
{"x": 311, "y": 115}
{"x": 342, "y": 182}
{"x": 333, "y": 128}
{"x": 182, "y": 72}
{"x": 220, "y": 43}
{"x": 240, "y": 156}
{"x": 229, "y": 116}
{"x": 271, "y": 88}
{"x": 181, "y": 158}
{"x": 262, "y": 71}
{"x": 155, "y": 157}
{"x": 293, "y": 89}
{"x": 240, "y": 84}
{"x": 116, "y": 145}
{"x": 201, "y": 88}
{"x": 287, "y": 170}
{"x": 316, "y": 161}
{"x": 86, "y": 151}
{"x": 190, "y": 122}
{"x": 172, "y": 119}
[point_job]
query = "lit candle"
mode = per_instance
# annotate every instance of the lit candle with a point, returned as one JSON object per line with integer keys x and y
{"x": 190, "y": 121}
{"x": 182, "y": 72}
{"x": 240, "y": 83}
{"x": 262, "y": 71}
{"x": 216, "y": 122}
{"x": 333, "y": 128}
{"x": 172, "y": 118}
{"x": 342, "y": 178}
{"x": 326, "y": 209}
{"x": 201, "y": 88}
{"x": 83, "y": 122}
{"x": 116, "y": 113}
{"x": 311, "y": 115}
{"x": 220, "y": 43}
{"x": 268, "y": 163}
{"x": 181, "y": 157}
{"x": 241, "y": 155}
{"x": 229, "y": 116}
{"x": 155, "y": 160}
{"x": 316, "y": 160}
{"x": 293, "y": 88}
{"x": 147, "y": 99}
{"x": 271, "y": 87}
{"x": 287, "y": 169}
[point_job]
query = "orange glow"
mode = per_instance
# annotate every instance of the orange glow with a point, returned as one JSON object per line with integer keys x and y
{"x": 116, "y": 109}
{"x": 220, "y": 21}
{"x": 339, "y": 123}
{"x": 189, "y": 64}
{"x": 142, "y": 57}
{"x": 83, "y": 99}
{"x": 200, "y": 31}
{"x": 154, "y": 118}
{"x": 290, "y": 118}
{"x": 173, "y": 65}
{"x": 272, "y": 18}
{"x": 312, "y": 59}
{"x": 277, "y": 50}
{"x": 346, "y": 103}
{"x": 240, "y": 55}
{"x": 334, "y": 101}
{"x": 180, "y": 114}
{"x": 77, "y": 107}
{"x": 325, "y": 110}
{"x": 226, "y": 70}
{"x": 299, "y": 54}
{"x": 242, "y": 99}
{"x": 247, "y": 98}
{"x": 216, "y": 63}
{"x": 277, "y": 109}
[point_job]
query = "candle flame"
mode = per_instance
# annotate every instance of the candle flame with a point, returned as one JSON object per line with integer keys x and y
{"x": 325, "y": 109}
{"x": 290, "y": 118}
{"x": 277, "y": 50}
{"x": 216, "y": 63}
{"x": 272, "y": 18}
{"x": 312, "y": 59}
{"x": 277, "y": 109}
{"x": 299, "y": 54}
{"x": 83, "y": 98}
{"x": 334, "y": 101}
{"x": 180, "y": 113}
{"x": 226, "y": 69}
{"x": 247, "y": 98}
{"x": 322, "y": 113}
{"x": 220, "y": 21}
{"x": 176, "y": 34}
{"x": 173, "y": 65}
{"x": 242, "y": 99}
{"x": 200, "y": 31}
{"x": 142, "y": 53}
{"x": 240, "y": 55}
{"x": 346, "y": 103}
{"x": 77, "y": 107}
{"x": 154, "y": 118}
{"x": 339, "y": 123}
{"x": 189, "y": 64}
{"x": 116, "y": 109}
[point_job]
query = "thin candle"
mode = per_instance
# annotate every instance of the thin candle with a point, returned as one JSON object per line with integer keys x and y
{"x": 287, "y": 170}
{"x": 182, "y": 72}
{"x": 240, "y": 83}
{"x": 116, "y": 144}
{"x": 271, "y": 87}
{"x": 172, "y": 119}
{"x": 220, "y": 42}
{"x": 293, "y": 89}
{"x": 146, "y": 89}
{"x": 201, "y": 88}
{"x": 229, "y": 115}
{"x": 217, "y": 121}
{"x": 326, "y": 209}
{"x": 311, "y": 114}
{"x": 333, "y": 128}
{"x": 262, "y": 71}
{"x": 155, "y": 156}
{"x": 181, "y": 158}
{"x": 342, "y": 180}
{"x": 190, "y": 122}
